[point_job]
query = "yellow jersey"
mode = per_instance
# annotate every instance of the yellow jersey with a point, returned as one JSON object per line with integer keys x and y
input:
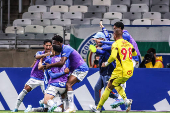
{"x": 122, "y": 52}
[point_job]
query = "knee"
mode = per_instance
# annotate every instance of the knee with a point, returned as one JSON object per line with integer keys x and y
{"x": 96, "y": 88}
{"x": 27, "y": 88}
{"x": 68, "y": 84}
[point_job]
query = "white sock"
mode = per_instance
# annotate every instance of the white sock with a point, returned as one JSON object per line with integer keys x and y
{"x": 20, "y": 98}
{"x": 45, "y": 106}
{"x": 42, "y": 101}
{"x": 70, "y": 95}
{"x": 51, "y": 103}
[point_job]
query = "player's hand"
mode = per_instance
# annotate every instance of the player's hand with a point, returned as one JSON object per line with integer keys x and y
{"x": 47, "y": 54}
{"x": 99, "y": 48}
{"x": 94, "y": 39}
{"x": 47, "y": 66}
{"x": 101, "y": 25}
{"x": 103, "y": 64}
{"x": 66, "y": 70}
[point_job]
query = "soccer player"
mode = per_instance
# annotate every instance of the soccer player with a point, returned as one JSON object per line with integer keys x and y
{"x": 37, "y": 76}
{"x": 122, "y": 52}
{"x": 105, "y": 72}
{"x": 58, "y": 78}
{"x": 78, "y": 68}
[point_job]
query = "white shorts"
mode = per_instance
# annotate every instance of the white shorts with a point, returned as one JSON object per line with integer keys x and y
{"x": 79, "y": 74}
{"x": 33, "y": 83}
{"x": 53, "y": 90}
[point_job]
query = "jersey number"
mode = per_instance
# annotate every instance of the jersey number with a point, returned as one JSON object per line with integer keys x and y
{"x": 124, "y": 52}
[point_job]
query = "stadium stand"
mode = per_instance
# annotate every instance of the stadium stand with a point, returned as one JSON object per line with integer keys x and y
{"x": 160, "y": 2}
{"x": 102, "y": 2}
{"x": 141, "y": 2}
{"x": 132, "y": 15}
{"x": 84, "y": 21}
{"x": 120, "y": 2}
{"x": 42, "y": 22}
{"x": 64, "y": 2}
{"x": 166, "y": 15}
{"x": 44, "y": 35}
{"x": 21, "y": 22}
{"x": 152, "y": 15}
{"x": 34, "y": 29}
{"x": 37, "y": 8}
{"x": 51, "y": 15}
{"x": 44, "y": 2}
{"x": 161, "y": 22}
{"x": 142, "y": 22}
{"x": 124, "y": 21}
{"x": 59, "y": 8}
{"x": 101, "y": 9}
{"x": 31, "y": 15}
{"x": 139, "y": 8}
{"x": 160, "y": 8}
{"x": 78, "y": 8}
{"x": 93, "y": 15}
{"x": 13, "y": 29}
{"x": 62, "y": 22}
{"x": 83, "y": 2}
{"x": 97, "y": 21}
{"x": 118, "y": 8}
{"x": 72, "y": 15}
{"x": 113, "y": 15}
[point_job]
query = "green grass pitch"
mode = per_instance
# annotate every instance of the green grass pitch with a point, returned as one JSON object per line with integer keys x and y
{"x": 89, "y": 112}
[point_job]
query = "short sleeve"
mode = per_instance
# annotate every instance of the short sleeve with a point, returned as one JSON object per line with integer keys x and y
{"x": 67, "y": 51}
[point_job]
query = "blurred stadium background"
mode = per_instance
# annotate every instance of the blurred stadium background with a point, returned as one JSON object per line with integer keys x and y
{"x": 26, "y": 23}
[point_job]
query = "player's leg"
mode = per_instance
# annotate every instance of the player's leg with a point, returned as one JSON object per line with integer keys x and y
{"x": 30, "y": 85}
{"x": 41, "y": 102}
{"x": 97, "y": 90}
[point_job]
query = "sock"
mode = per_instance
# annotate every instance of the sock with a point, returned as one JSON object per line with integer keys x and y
{"x": 70, "y": 95}
{"x": 51, "y": 103}
{"x": 121, "y": 92}
{"x": 42, "y": 101}
{"x": 104, "y": 97}
{"x": 20, "y": 98}
{"x": 45, "y": 106}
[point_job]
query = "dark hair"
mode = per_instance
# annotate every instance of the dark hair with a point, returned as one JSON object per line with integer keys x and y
{"x": 96, "y": 56}
{"x": 151, "y": 50}
{"x": 47, "y": 40}
{"x": 119, "y": 25}
{"x": 57, "y": 48}
{"x": 58, "y": 38}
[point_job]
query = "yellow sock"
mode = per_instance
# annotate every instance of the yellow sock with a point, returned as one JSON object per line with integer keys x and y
{"x": 121, "y": 92}
{"x": 104, "y": 97}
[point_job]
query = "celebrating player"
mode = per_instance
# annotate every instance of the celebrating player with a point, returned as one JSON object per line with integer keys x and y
{"x": 37, "y": 76}
{"x": 122, "y": 51}
{"x": 78, "y": 68}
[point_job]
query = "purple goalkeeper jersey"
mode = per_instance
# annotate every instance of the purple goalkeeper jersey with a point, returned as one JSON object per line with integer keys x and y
{"x": 35, "y": 73}
{"x": 132, "y": 41}
{"x": 62, "y": 78}
{"x": 74, "y": 57}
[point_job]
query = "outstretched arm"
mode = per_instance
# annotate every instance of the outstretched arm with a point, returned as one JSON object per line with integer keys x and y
{"x": 56, "y": 75}
{"x": 105, "y": 32}
{"x": 57, "y": 64}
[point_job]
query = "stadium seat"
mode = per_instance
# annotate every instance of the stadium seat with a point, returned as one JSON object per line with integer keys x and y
{"x": 97, "y": 21}
{"x": 78, "y": 8}
{"x": 51, "y": 15}
{"x": 160, "y": 2}
{"x": 124, "y": 21}
{"x": 83, "y": 2}
{"x": 161, "y": 22}
{"x": 12, "y": 29}
{"x": 93, "y": 8}
{"x": 93, "y": 15}
{"x": 152, "y": 15}
{"x": 67, "y": 36}
{"x": 34, "y": 29}
{"x": 72, "y": 15}
{"x": 54, "y": 29}
{"x": 113, "y": 15}
{"x": 45, "y": 36}
{"x": 160, "y": 8}
{"x": 37, "y": 8}
{"x": 44, "y": 2}
{"x": 121, "y": 2}
{"x": 139, "y": 8}
{"x": 132, "y": 15}
{"x": 140, "y": 2}
{"x": 59, "y": 8}
{"x": 118, "y": 8}
{"x": 142, "y": 22}
{"x": 21, "y": 22}
{"x": 26, "y": 36}
{"x": 62, "y": 22}
{"x": 166, "y": 15}
{"x": 64, "y": 2}
{"x": 31, "y": 15}
{"x": 81, "y": 21}
{"x": 42, "y": 22}
{"x": 7, "y": 36}
{"x": 102, "y": 2}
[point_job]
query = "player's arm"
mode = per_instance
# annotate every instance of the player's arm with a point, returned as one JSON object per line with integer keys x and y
{"x": 57, "y": 64}
{"x": 40, "y": 65}
{"x": 126, "y": 36}
{"x": 111, "y": 58}
{"x": 56, "y": 75}
{"x": 105, "y": 32}
{"x": 107, "y": 42}
{"x": 38, "y": 56}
